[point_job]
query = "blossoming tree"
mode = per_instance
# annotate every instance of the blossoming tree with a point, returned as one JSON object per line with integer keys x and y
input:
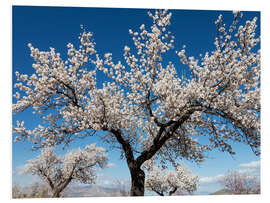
{"x": 241, "y": 182}
{"x": 59, "y": 171}
{"x": 147, "y": 109}
{"x": 168, "y": 182}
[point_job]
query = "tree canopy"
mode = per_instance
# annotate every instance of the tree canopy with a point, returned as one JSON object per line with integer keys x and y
{"x": 144, "y": 105}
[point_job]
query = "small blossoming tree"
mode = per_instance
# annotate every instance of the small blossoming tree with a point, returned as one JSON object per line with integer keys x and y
{"x": 146, "y": 108}
{"x": 165, "y": 182}
{"x": 241, "y": 182}
{"x": 59, "y": 171}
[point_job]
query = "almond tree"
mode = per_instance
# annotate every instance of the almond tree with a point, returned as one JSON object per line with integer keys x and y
{"x": 164, "y": 182}
{"x": 59, "y": 171}
{"x": 145, "y": 107}
{"x": 241, "y": 183}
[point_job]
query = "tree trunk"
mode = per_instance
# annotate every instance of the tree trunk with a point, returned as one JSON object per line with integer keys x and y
{"x": 56, "y": 193}
{"x": 137, "y": 182}
{"x": 172, "y": 191}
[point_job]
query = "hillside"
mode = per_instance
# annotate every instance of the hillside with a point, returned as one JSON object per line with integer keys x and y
{"x": 222, "y": 192}
{"x": 91, "y": 191}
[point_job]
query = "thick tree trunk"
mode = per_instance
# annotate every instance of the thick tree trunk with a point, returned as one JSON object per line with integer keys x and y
{"x": 137, "y": 182}
{"x": 137, "y": 175}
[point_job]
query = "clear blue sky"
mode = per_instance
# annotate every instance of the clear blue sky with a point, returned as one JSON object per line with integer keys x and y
{"x": 46, "y": 27}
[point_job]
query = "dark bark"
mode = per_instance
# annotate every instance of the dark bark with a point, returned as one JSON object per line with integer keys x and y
{"x": 160, "y": 140}
{"x": 159, "y": 193}
{"x": 125, "y": 146}
{"x": 137, "y": 175}
{"x": 56, "y": 193}
{"x": 172, "y": 191}
{"x": 137, "y": 182}
{"x": 47, "y": 178}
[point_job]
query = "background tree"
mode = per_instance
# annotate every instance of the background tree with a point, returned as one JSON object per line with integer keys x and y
{"x": 17, "y": 192}
{"x": 59, "y": 171}
{"x": 123, "y": 186}
{"x": 41, "y": 190}
{"x": 164, "y": 182}
{"x": 35, "y": 190}
{"x": 146, "y": 108}
{"x": 241, "y": 183}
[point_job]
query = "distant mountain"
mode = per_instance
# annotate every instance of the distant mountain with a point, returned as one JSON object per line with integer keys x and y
{"x": 91, "y": 191}
{"x": 201, "y": 193}
{"x": 222, "y": 192}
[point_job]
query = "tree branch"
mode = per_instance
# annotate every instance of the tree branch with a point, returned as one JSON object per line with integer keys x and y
{"x": 160, "y": 141}
{"x": 125, "y": 146}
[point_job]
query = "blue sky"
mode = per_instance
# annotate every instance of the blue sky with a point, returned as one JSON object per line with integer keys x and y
{"x": 46, "y": 27}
